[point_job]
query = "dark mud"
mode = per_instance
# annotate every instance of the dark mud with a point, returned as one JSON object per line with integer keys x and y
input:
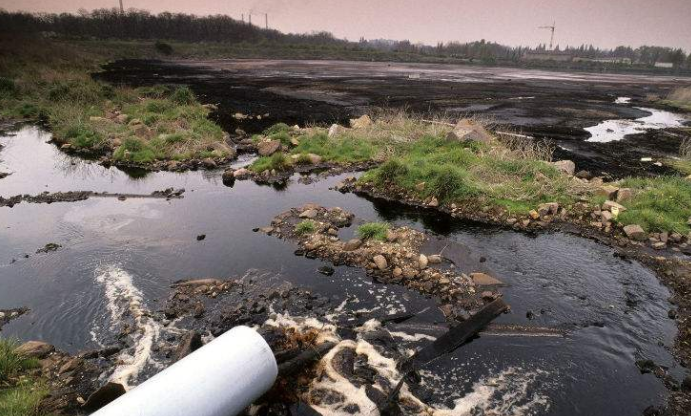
{"x": 544, "y": 105}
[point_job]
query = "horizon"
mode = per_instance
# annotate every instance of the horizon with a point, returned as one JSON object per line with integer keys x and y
{"x": 509, "y": 22}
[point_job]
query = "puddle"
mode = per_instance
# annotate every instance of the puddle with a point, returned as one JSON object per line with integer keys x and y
{"x": 615, "y": 130}
{"x": 613, "y": 312}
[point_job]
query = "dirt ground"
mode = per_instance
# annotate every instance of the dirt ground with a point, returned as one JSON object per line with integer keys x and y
{"x": 554, "y": 105}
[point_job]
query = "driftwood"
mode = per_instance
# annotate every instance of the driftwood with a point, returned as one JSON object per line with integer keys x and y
{"x": 298, "y": 362}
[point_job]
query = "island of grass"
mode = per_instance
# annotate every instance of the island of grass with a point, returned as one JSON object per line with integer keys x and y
{"x": 505, "y": 178}
{"x": 157, "y": 126}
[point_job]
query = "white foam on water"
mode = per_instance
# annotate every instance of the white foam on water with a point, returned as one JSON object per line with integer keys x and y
{"x": 125, "y": 301}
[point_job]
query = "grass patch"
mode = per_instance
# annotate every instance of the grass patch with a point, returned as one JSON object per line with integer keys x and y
{"x": 278, "y": 162}
{"x": 12, "y": 364}
{"x": 679, "y": 98}
{"x": 305, "y": 227}
{"x": 19, "y": 394}
{"x": 373, "y": 231}
{"x": 659, "y": 204}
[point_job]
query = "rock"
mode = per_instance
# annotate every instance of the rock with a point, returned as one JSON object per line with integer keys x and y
{"x": 635, "y": 232}
{"x": 468, "y": 130}
{"x": 397, "y": 271}
{"x": 268, "y": 147}
{"x": 659, "y": 245}
{"x": 380, "y": 261}
{"x": 434, "y": 259}
{"x": 34, "y": 349}
{"x": 353, "y": 244}
{"x": 228, "y": 177}
{"x": 197, "y": 283}
{"x": 191, "y": 342}
{"x": 606, "y": 217}
{"x": 241, "y": 173}
{"x": 434, "y": 202}
{"x": 483, "y": 279}
{"x": 391, "y": 236}
{"x": 70, "y": 365}
{"x": 314, "y": 159}
{"x": 326, "y": 270}
{"x": 565, "y": 166}
{"x": 209, "y": 163}
{"x": 121, "y": 118}
{"x": 549, "y": 208}
{"x": 534, "y": 214}
{"x": 310, "y": 213}
{"x": 608, "y": 191}
{"x": 336, "y": 130}
{"x": 142, "y": 131}
{"x": 584, "y": 174}
{"x": 422, "y": 261}
{"x": 624, "y": 194}
{"x": 201, "y": 237}
{"x": 173, "y": 165}
{"x": 361, "y": 122}
{"x": 104, "y": 395}
{"x": 613, "y": 207}
{"x": 294, "y": 141}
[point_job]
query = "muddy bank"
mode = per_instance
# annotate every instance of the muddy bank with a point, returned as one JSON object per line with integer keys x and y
{"x": 74, "y": 196}
{"x": 252, "y": 95}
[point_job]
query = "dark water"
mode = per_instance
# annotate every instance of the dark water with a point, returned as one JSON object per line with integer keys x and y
{"x": 613, "y": 312}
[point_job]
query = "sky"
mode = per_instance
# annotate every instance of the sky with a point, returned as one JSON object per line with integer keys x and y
{"x": 604, "y": 23}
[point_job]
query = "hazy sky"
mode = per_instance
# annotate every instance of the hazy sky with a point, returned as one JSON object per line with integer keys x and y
{"x": 605, "y": 23}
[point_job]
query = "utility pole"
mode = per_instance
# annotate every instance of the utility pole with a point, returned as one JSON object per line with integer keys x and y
{"x": 266, "y": 20}
{"x": 250, "y": 18}
{"x": 551, "y": 39}
{"x": 243, "y": 18}
{"x": 122, "y": 9}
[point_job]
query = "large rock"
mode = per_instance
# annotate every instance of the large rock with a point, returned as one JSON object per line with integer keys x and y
{"x": 483, "y": 279}
{"x": 34, "y": 349}
{"x": 624, "y": 194}
{"x": 613, "y": 207}
{"x": 191, "y": 342}
{"x": 309, "y": 213}
{"x": 608, "y": 191}
{"x": 241, "y": 173}
{"x": 422, "y": 261}
{"x": 635, "y": 232}
{"x": 468, "y": 130}
{"x": 565, "y": 166}
{"x": 336, "y": 130}
{"x": 268, "y": 147}
{"x": 361, "y": 122}
{"x": 353, "y": 244}
{"x": 228, "y": 177}
{"x": 549, "y": 208}
{"x": 104, "y": 395}
{"x": 380, "y": 261}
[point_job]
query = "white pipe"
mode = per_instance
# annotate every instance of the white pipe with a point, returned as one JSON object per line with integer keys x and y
{"x": 220, "y": 379}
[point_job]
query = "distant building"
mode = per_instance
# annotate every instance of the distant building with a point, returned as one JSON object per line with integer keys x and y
{"x": 547, "y": 56}
{"x": 607, "y": 60}
{"x": 664, "y": 65}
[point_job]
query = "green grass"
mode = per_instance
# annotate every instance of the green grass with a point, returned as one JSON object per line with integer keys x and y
{"x": 373, "y": 231}
{"x": 278, "y": 162}
{"x": 305, "y": 227}
{"x": 19, "y": 394}
{"x": 51, "y": 80}
{"x": 659, "y": 204}
{"x": 347, "y": 148}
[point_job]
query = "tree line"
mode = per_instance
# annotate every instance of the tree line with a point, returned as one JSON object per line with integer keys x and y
{"x": 140, "y": 24}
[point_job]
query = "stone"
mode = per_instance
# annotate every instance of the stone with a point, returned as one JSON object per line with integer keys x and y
{"x": 241, "y": 173}
{"x": 606, "y": 217}
{"x": 549, "y": 208}
{"x": 309, "y": 213}
{"x": 104, "y": 395}
{"x": 434, "y": 259}
{"x": 624, "y": 194}
{"x": 422, "y": 261}
{"x": 314, "y": 159}
{"x": 483, "y": 279}
{"x": 191, "y": 342}
{"x": 336, "y": 130}
{"x": 122, "y": 118}
{"x": 434, "y": 202}
{"x": 584, "y": 174}
{"x": 142, "y": 131}
{"x": 659, "y": 245}
{"x": 361, "y": 122}
{"x": 353, "y": 244}
{"x": 268, "y": 147}
{"x": 534, "y": 214}
{"x": 397, "y": 271}
{"x": 228, "y": 177}
{"x": 380, "y": 261}
{"x": 635, "y": 232}
{"x": 467, "y": 130}
{"x": 209, "y": 163}
{"x": 34, "y": 349}
{"x": 391, "y": 236}
{"x": 294, "y": 141}
{"x": 613, "y": 207}
{"x": 565, "y": 166}
{"x": 70, "y": 365}
{"x": 608, "y": 191}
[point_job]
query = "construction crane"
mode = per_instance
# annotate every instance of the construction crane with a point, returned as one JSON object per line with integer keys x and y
{"x": 551, "y": 39}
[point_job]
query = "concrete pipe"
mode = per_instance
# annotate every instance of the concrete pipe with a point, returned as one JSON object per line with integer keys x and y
{"x": 220, "y": 379}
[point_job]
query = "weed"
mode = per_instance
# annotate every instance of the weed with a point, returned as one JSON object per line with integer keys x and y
{"x": 373, "y": 231}
{"x": 11, "y": 363}
{"x": 278, "y": 162}
{"x": 277, "y": 128}
{"x": 183, "y": 96}
{"x": 305, "y": 227}
{"x": 659, "y": 204}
